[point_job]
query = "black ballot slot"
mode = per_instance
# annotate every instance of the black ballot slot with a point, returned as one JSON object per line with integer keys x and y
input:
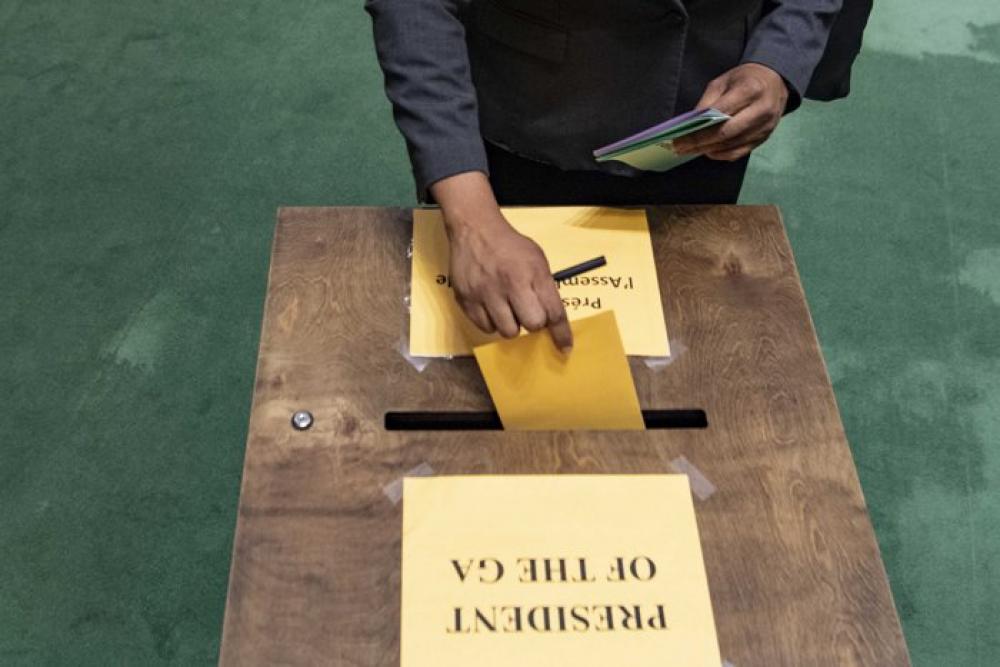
{"x": 432, "y": 420}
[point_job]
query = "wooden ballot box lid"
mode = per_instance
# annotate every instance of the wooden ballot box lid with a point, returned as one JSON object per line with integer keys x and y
{"x": 793, "y": 567}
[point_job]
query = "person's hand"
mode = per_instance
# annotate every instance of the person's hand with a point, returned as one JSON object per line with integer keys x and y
{"x": 755, "y": 97}
{"x": 500, "y": 277}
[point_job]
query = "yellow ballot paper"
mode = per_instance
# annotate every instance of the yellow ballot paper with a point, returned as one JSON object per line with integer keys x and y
{"x": 535, "y": 386}
{"x": 535, "y": 571}
{"x": 568, "y": 235}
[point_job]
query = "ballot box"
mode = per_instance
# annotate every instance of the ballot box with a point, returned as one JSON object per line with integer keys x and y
{"x": 793, "y": 567}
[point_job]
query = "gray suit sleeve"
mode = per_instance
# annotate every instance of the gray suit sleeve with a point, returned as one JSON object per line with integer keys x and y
{"x": 791, "y": 38}
{"x": 421, "y": 48}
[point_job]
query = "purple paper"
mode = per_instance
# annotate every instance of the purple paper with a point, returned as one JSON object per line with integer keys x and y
{"x": 649, "y": 132}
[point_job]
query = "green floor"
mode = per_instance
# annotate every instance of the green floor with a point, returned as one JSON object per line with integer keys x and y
{"x": 144, "y": 147}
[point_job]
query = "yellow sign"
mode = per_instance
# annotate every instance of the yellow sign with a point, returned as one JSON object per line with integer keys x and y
{"x": 535, "y": 571}
{"x": 535, "y": 386}
{"x": 568, "y": 235}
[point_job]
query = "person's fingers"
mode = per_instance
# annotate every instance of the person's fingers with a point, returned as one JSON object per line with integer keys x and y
{"x": 502, "y": 316}
{"x": 734, "y": 150}
{"x": 478, "y": 315}
{"x": 562, "y": 335}
{"x": 751, "y": 138}
{"x": 732, "y": 154}
{"x": 734, "y": 132}
{"x": 555, "y": 312}
{"x": 714, "y": 91}
{"x": 700, "y": 142}
{"x": 740, "y": 98}
{"x": 527, "y": 308}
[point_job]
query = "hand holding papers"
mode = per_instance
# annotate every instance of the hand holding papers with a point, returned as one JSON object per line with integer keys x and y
{"x": 536, "y": 387}
{"x": 652, "y": 149}
{"x": 553, "y": 570}
{"x": 628, "y": 284}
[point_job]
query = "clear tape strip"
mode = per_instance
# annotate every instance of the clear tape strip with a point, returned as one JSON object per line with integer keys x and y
{"x": 394, "y": 489}
{"x": 700, "y": 486}
{"x": 419, "y": 363}
{"x": 657, "y": 364}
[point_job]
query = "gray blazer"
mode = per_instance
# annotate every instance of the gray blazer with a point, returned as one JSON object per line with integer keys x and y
{"x": 554, "y": 79}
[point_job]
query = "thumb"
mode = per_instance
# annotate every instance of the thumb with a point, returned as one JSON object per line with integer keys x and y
{"x": 715, "y": 89}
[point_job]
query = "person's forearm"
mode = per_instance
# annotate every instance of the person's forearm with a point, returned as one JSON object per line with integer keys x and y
{"x": 422, "y": 51}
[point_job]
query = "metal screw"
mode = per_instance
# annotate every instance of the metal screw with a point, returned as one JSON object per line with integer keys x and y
{"x": 302, "y": 420}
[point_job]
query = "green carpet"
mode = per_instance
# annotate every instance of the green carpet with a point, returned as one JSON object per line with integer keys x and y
{"x": 144, "y": 147}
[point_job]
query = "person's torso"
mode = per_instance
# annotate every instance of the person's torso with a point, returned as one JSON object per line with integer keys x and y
{"x": 556, "y": 79}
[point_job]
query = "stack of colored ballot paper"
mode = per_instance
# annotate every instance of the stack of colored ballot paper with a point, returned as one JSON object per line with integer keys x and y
{"x": 653, "y": 148}
{"x": 542, "y": 570}
{"x": 568, "y": 235}
{"x": 536, "y": 387}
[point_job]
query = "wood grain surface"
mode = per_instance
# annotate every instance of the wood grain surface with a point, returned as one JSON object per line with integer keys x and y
{"x": 793, "y": 566}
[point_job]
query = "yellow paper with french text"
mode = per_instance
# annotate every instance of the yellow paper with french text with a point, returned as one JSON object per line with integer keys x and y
{"x": 535, "y": 571}
{"x": 536, "y": 387}
{"x": 568, "y": 235}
